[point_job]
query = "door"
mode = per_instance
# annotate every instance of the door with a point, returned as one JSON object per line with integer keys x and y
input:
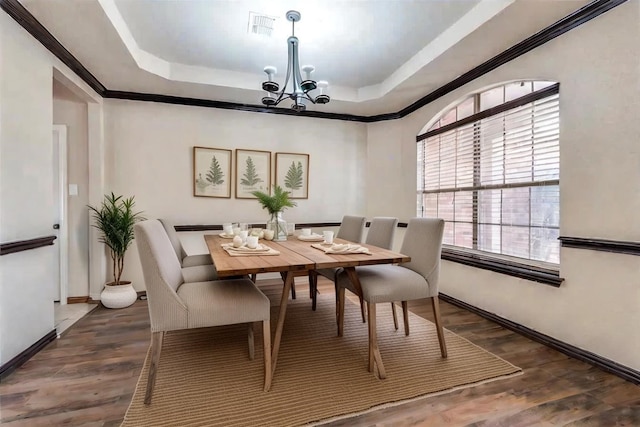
{"x": 59, "y": 223}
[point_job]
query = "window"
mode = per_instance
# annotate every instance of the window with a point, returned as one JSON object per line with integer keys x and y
{"x": 490, "y": 168}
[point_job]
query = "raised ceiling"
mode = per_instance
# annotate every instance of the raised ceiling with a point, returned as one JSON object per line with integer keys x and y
{"x": 379, "y": 56}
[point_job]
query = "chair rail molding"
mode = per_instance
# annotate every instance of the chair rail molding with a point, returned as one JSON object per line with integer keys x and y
{"x": 615, "y": 246}
{"x": 25, "y": 245}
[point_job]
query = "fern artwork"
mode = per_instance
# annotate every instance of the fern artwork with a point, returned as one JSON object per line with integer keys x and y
{"x": 293, "y": 179}
{"x": 250, "y": 178}
{"x": 215, "y": 176}
{"x": 253, "y": 172}
{"x": 212, "y": 169}
{"x": 292, "y": 173}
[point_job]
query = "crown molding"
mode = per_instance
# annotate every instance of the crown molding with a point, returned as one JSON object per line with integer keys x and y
{"x": 592, "y": 10}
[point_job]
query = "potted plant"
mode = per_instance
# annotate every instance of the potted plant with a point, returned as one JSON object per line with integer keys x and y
{"x": 115, "y": 219}
{"x": 275, "y": 204}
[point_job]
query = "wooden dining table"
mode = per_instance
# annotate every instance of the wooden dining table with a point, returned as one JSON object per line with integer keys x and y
{"x": 296, "y": 257}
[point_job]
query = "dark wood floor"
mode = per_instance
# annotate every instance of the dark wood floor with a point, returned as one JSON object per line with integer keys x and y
{"x": 88, "y": 376}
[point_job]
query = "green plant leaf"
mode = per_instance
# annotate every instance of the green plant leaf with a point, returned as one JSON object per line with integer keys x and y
{"x": 274, "y": 203}
{"x": 115, "y": 220}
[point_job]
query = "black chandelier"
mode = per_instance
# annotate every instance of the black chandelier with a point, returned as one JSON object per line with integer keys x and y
{"x": 299, "y": 89}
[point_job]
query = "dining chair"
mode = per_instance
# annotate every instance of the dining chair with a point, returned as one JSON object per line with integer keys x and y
{"x": 185, "y": 260}
{"x": 191, "y": 270}
{"x": 413, "y": 280}
{"x": 382, "y": 230}
{"x": 175, "y": 305}
{"x": 351, "y": 229}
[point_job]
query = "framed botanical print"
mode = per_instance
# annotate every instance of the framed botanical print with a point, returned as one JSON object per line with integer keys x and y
{"x": 292, "y": 174}
{"x": 211, "y": 172}
{"x": 253, "y": 172}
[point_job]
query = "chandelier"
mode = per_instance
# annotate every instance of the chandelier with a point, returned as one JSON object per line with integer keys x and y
{"x": 299, "y": 90}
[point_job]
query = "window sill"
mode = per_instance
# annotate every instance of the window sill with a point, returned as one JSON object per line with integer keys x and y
{"x": 499, "y": 265}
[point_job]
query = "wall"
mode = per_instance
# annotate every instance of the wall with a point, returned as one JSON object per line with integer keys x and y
{"x": 597, "y": 308}
{"x": 26, "y": 204}
{"x": 150, "y": 155}
{"x": 71, "y": 111}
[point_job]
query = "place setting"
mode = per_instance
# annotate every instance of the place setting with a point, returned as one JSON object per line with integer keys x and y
{"x": 307, "y": 236}
{"x": 246, "y": 245}
{"x": 328, "y": 246}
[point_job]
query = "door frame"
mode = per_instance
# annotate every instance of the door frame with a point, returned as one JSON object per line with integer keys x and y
{"x": 60, "y": 133}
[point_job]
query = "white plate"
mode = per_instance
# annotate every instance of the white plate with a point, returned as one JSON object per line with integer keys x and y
{"x": 312, "y": 238}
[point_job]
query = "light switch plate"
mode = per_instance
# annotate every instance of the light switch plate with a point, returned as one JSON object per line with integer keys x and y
{"x": 73, "y": 189}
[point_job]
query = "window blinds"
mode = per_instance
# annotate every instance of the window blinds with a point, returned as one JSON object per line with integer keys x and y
{"x": 494, "y": 178}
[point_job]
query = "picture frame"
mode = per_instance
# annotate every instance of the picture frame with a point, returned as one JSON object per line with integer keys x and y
{"x": 253, "y": 172}
{"x": 212, "y": 172}
{"x": 292, "y": 174}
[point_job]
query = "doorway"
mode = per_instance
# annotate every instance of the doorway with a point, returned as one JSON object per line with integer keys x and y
{"x": 60, "y": 225}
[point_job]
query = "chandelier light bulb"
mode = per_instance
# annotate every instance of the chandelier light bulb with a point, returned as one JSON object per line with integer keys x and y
{"x": 323, "y": 97}
{"x": 295, "y": 87}
{"x": 270, "y": 85}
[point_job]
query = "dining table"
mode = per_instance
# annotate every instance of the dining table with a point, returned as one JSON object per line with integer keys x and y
{"x": 294, "y": 259}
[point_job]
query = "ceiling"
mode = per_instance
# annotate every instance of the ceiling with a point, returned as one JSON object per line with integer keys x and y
{"x": 378, "y": 56}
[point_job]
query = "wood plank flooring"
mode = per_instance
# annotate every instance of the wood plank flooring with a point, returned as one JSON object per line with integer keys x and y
{"x": 87, "y": 378}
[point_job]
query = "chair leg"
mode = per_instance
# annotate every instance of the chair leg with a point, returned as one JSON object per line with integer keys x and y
{"x": 435, "y": 303}
{"x": 251, "y": 343}
{"x": 156, "y": 347}
{"x": 395, "y": 315}
{"x": 293, "y": 284}
{"x": 340, "y": 313}
{"x": 374, "y": 351}
{"x": 313, "y": 288}
{"x": 266, "y": 343}
{"x": 405, "y": 316}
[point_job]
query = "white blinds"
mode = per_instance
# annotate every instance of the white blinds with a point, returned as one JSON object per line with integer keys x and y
{"x": 495, "y": 181}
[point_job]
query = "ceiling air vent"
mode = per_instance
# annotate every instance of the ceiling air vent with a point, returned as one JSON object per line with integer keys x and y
{"x": 260, "y": 24}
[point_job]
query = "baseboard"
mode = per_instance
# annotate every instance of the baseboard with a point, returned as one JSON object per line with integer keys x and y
{"x": 27, "y": 354}
{"x": 603, "y": 363}
{"x": 78, "y": 300}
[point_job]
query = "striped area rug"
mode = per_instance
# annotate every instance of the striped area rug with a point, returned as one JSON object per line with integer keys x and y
{"x": 205, "y": 377}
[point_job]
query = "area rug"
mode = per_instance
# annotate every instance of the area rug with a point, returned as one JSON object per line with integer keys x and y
{"x": 205, "y": 377}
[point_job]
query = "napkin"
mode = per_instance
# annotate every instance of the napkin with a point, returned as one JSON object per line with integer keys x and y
{"x": 311, "y": 238}
{"x": 246, "y": 251}
{"x": 338, "y": 249}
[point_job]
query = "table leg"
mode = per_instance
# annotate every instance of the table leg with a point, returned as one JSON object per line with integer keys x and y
{"x": 288, "y": 280}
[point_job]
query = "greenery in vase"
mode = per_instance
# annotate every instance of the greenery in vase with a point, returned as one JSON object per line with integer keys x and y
{"x": 115, "y": 220}
{"x": 293, "y": 179}
{"x": 215, "y": 175}
{"x": 251, "y": 177}
{"x": 274, "y": 203}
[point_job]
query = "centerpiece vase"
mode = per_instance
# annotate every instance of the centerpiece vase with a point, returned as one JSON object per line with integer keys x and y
{"x": 278, "y": 225}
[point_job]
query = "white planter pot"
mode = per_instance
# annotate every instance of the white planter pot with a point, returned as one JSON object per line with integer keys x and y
{"x": 118, "y": 296}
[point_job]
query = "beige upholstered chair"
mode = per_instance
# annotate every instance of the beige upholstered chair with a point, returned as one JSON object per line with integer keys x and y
{"x": 382, "y": 230}
{"x": 185, "y": 260}
{"x": 195, "y": 268}
{"x": 175, "y": 305}
{"x": 409, "y": 281}
{"x": 351, "y": 229}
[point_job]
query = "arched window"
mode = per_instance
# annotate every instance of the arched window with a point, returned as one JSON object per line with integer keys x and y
{"x": 490, "y": 168}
